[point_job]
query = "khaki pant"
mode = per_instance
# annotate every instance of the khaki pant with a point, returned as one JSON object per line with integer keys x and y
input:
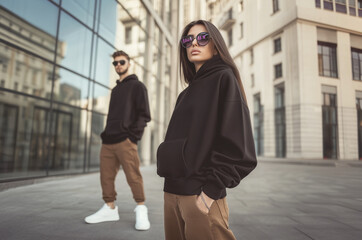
{"x": 112, "y": 157}
{"x": 185, "y": 221}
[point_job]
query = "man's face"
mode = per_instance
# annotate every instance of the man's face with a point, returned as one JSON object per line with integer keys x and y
{"x": 121, "y": 69}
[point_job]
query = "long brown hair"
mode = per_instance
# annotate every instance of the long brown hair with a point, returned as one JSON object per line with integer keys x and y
{"x": 188, "y": 68}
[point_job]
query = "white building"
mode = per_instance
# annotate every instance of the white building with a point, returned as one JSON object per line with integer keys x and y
{"x": 301, "y": 65}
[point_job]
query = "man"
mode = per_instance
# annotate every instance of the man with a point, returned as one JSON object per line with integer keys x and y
{"x": 128, "y": 115}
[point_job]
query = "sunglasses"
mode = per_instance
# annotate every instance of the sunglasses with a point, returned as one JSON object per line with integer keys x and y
{"x": 122, "y": 62}
{"x": 202, "y": 39}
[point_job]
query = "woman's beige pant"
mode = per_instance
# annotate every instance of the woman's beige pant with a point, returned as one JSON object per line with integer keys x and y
{"x": 185, "y": 221}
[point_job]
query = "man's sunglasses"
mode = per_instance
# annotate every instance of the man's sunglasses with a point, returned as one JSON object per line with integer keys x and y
{"x": 122, "y": 62}
{"x": 202, "y": 39}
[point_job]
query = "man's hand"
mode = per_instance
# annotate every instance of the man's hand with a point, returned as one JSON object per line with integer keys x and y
{"x": 203, "y": 202}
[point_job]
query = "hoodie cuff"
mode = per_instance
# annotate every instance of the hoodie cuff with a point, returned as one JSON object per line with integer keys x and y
{"x": 212, "y": 191}
{"x": 134, "y": 140}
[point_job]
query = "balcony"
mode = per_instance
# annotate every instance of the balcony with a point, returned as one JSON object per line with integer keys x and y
{"x": 227, "y": 20}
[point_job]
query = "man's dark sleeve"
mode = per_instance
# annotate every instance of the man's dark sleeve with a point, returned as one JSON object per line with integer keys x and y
{"x": 143, "y": 114}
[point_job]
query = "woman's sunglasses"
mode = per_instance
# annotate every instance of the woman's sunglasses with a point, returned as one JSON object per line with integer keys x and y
{"x": 202, "y": 39}
{"x": 122, "y": 62}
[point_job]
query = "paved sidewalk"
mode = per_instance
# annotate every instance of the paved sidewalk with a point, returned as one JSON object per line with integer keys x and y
{"x": 277, "y": 201}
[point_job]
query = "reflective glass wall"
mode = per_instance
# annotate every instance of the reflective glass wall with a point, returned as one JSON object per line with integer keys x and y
{"x": 56, "y": 76}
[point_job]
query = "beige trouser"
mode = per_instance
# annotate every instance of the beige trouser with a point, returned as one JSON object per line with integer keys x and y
{"x": 112, "y": 157}
{"x": 185, "y": 221}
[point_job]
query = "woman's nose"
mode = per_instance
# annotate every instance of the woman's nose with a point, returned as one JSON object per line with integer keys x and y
{"x": 194, "y": 42}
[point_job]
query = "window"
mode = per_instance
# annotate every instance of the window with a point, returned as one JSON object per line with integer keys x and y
{"x": 277, "y": 45}
{"x": 328, "y": 4}
{"x": 359, "y": 122}
{"x": 258, "y": 125}
{"x": 2, "y": 83}
{"x": 230, "y": 37}
{"x": 352, "y": 7}
{"x": 128, "y": 35}
{"x": 341, "y": 6}
{"x": 18, "y": 68}
{"x": 251, "y": 56}
{"x": 357, "y": 64}
{"x": 280, "y": 127}
{"x": 4, "y": 64}
{"x": 359, "y": 8}
{"x": 327, "y": 59}
{"x": 318, "y": 3}
{"x": 278, "y": 71}
{"x": 252, "y": 78}
{"x": 241, "y": 6}
{"x": 275, "y": 6}
{"x": 330, "y": 125}
{"x": 241, "y": 30}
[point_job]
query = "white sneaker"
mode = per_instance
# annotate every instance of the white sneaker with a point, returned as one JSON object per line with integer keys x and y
{"x": 104, "y": 214}
{"x": 142, "y": 222}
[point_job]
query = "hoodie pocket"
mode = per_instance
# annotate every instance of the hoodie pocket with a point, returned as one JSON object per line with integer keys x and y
{"x": 170, "y": 159}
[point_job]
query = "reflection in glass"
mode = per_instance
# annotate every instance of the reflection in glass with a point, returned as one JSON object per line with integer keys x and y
{"x": 100, "y": 99}
{"x": 31, "y": 33}
{"x": 76, "y": 41}
{"x": 108, "y": 20}
{"x": 71, "y": 89}
{"x": 8, "y": 123}
{"x": 34, "y": 12}
{"x": 98, "y": 125}
{"x": 22, "y": 136}
{"x": 67, "y": 139}
{"x": 104, "y": 69}
{"x": 83, "y": 10}
{"x": 23, "y": 72}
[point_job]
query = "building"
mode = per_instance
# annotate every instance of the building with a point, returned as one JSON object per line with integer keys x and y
{"x": 301, "y": 65}
{"x": 56, "y": 76}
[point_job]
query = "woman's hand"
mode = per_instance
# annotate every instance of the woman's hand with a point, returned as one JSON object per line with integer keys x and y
{"x": 203, "y": 202}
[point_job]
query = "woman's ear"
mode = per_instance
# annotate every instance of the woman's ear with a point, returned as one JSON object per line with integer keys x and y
{"x": 215, "y": 51}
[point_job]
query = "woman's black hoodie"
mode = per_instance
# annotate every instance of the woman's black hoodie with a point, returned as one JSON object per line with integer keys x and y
{"x": 209, "y": 144}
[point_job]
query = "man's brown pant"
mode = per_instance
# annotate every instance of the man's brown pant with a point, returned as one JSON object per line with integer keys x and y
{"x": 185, "y": 221}
{"x": 112, "y": 157}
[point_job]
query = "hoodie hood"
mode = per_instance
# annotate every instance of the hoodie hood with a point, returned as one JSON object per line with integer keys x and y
{"x": 128, "y": 78}
{"x": 211, "y": 66}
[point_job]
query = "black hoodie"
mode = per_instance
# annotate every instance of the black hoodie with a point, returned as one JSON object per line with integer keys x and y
{"x": 209, "y": 144}
{"x": 128, "y": 112}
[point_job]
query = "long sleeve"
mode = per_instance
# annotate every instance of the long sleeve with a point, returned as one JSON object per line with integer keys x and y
{"x": 233, "y": 155}
{"x": 143, "y": 114}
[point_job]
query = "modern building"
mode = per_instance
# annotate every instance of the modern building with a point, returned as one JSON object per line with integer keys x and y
{"x": 56, "y": 76}
{"x": 301, "y": 65}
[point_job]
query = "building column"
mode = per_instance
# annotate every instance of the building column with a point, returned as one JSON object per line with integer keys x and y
{"x": 346, "y": 101}
{"x": 145, "y": 148}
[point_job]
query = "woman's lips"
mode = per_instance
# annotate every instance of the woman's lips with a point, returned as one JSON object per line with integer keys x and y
{"x": 193, "y": 52}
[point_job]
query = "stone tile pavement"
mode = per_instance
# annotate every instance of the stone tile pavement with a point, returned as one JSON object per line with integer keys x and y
{"x": 277, "y": 201}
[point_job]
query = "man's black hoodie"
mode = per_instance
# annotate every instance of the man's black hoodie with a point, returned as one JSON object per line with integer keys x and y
{"x": 128, "y": 112}
{"x": 209, "y": 144}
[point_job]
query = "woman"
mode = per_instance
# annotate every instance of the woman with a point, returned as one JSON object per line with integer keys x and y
{"x": 209, "y": 144}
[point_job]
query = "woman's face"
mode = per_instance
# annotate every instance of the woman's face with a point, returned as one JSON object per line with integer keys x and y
{"x": 199, "y": 54}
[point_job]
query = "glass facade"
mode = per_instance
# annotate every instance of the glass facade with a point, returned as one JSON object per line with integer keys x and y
{"x": 56, "y": 76}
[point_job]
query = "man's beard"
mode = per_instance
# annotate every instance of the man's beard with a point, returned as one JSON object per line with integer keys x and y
{"x": 122, "y": 73}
